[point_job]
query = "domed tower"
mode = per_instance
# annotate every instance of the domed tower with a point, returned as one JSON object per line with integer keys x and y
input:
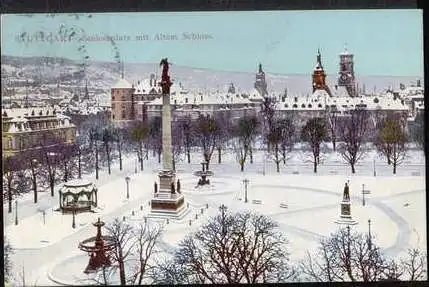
{"x": 319, "y": 76}
{"x": 347, "y": 75}
{"x": 260, "y": 83}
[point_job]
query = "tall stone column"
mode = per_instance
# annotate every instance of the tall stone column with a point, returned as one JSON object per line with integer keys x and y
{"x": 167, "y": 158}
{"x": 167, "y": 200}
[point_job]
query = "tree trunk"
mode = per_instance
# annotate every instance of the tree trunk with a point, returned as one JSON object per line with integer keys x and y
{"x": 159, "y": 156}
{"x": 122, "y": 273}
{"x": 52, "y": 184}
{"x": 9, "y": 196}
{"x": 276, "y": 149}
{"x": 174, "y": 165}
{"x": 353, "y": 168}
{"x": 34, "y": 188}
{"x": 96, "y": 162}
{"x": 108, "y": 158}
{"x": 315, "y": 164}
{"x": 80, "y": 164}
{"x": 141, "y": 156}
{"x": 388, "y": 160}
{"x": 241, "y": 165}
{"x": 208, "y": 164}
{"x": 65, "y": 171}
{"x": 284, "y": 154}
{"x": 334, "y": 143}
{"x": 120, "y": 156}
{"x": 219, "y": 155}
{"x": 189, "y": 155}
{"x": 394, "y": 166}
{"x": 251, "y": 154}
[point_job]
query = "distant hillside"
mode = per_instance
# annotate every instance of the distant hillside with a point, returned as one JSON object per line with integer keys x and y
{"x": 105, "y": 74}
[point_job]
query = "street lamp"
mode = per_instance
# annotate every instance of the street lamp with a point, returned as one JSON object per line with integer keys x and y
{"x": 246, "y": 181}
{"x": 127, "y": 180}
{"x": 16, "y": 212}
{"x": 363, "y": 194}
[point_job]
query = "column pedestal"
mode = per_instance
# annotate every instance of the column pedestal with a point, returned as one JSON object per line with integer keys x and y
{"x": 164, "y": 201}
{"x": 346, "y": 215}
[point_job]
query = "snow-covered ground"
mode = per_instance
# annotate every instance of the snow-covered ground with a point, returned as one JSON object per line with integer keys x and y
{"x": 396, "y": 207}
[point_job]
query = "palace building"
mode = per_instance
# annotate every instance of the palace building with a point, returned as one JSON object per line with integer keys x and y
{"x": 28, "y": 128}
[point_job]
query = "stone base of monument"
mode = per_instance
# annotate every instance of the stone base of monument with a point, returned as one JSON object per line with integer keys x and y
{"x": 346, "y": 216}
{"x": 168, "y": 205}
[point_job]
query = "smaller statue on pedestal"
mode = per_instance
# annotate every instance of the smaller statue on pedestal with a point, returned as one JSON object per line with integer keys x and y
{"x": 346, "y": 193}
{"x": 155, "y": 186}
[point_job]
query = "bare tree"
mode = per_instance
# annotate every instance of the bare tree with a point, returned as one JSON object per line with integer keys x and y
{"x": 145, "y": 249}
{"x": 348, "y": 255}
{"x": 155, "y": 136}
{"x": 232, "y": 248}
{"x": 281, "y": 140}
{"x": 124, "y": 240}
{"x": 119, "y": 137}
{"x": 207, "y": 131}
{"x": 177, "y": 143}
{"x": 107, "y": 139}
{"x": 245, "y": 133}
{"x": 32, "y": 159}
{"x": 223, "y": 118}
{"x": 314, "y": 133}
{"x": 188, "y": 131}
{"x": 417, "y": 131}
{"x": 139, "y": 135}
{"x": 268, "y": 109}
{"x": 392, "y": 141}
{"x": 7, "y": 262}
{"x": 51, "y": 160}
{"x": 352, "y": 131}
{"x": 10, "y": 167}
{"x": 332, "y": 118}
{"x": 414, "y": 265}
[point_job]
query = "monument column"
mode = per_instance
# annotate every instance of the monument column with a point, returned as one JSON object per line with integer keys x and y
{"x": 165, "y": 199}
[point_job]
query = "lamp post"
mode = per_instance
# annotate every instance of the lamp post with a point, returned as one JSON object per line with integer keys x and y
{"x": 373, "y": 166}
{"x": 16, "y": 212}
{"x": 363, "y": 194}
{"x": 127, "y": 180}
{"x": 246, "y": 181}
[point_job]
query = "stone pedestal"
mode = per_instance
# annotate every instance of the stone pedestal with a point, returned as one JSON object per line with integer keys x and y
{"x": 346, "y": 215}
{"x": 166, "y": 202}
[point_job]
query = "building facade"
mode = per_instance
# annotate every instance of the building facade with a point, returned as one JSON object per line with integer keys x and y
{"x": 24, "y": 129}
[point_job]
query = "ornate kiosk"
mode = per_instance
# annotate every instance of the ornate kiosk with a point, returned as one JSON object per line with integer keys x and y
{"x": 78, "y": 196}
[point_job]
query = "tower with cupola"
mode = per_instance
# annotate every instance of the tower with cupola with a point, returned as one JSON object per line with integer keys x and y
{"x": 346, "y": 75}
{"x": 319, "y": 76}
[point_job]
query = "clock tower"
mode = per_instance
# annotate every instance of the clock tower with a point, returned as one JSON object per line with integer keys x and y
{"x": 346, "y": 74}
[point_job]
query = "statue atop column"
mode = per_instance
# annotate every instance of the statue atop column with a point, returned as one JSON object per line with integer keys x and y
{"x": 165, "y": 78}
